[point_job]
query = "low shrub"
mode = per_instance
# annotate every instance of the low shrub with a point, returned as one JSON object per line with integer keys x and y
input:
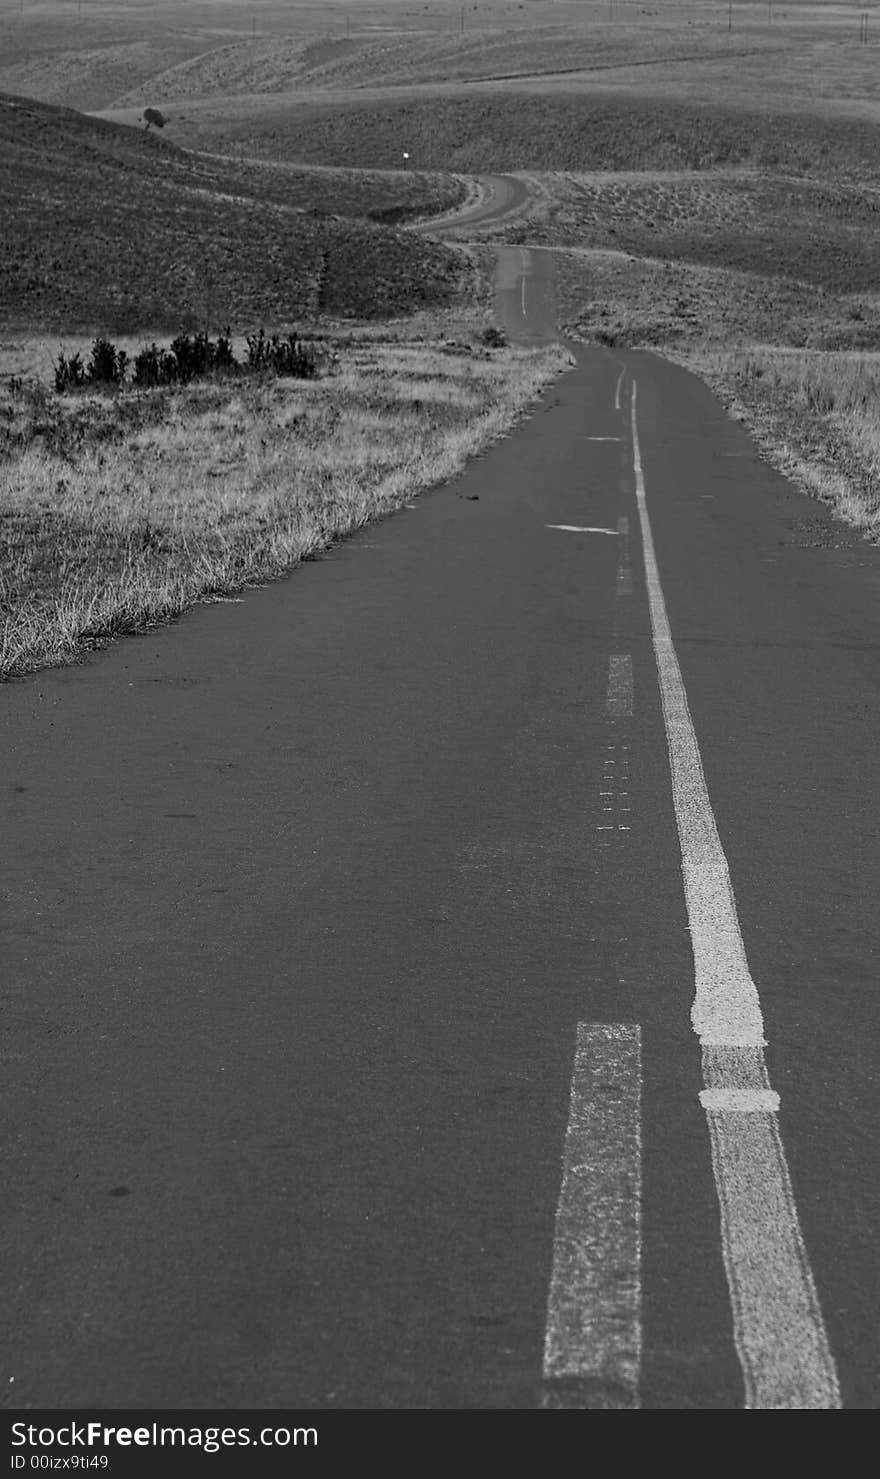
{"x": 287, "y": 356}
{"x": 70, "y": 372}
{"x": 188, "y": 357}
{"x": 154, "y": 366}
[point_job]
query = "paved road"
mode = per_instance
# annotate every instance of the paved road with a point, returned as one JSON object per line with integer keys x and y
{"x": 349, "y": 961}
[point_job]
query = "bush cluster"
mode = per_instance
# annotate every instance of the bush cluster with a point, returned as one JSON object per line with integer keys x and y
{"x": 287, "y": 356}
{"x": 107, "y": 366}
{"x": 188, "y": 357}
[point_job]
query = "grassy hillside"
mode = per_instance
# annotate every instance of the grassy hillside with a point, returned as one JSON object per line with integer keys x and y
{"x": 116, "y": 228}
{"x": 759, "y": 222}
{"x": 514, "y": 129}
{"x": 276, "y": 64}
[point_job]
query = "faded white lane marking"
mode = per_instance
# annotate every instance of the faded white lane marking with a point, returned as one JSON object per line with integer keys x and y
{"x": 602, "y": 439}
{"x": 593, "y": 1340}
{"x": 579, "y": 529}
{"x": 617, "y": 390}
{"x": 740, "y": 1101}
{"x": 780, "y": 1334}
{"x": 623, "y": 579}
{"x": 619, "y": 701}
{"x": 778, "y": 1326}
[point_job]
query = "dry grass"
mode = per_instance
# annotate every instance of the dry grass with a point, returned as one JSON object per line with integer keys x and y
{"x": 86, "y": 56}
{"x": 120, "y": 512}
{"x": 815, "y": 414}
{"x": 755, "y": 222}
{"x": 338, "y": 63}
{"x": 612, "y": 297}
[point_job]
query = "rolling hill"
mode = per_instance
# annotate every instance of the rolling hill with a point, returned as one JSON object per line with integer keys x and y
{"x": 116, "y": 228}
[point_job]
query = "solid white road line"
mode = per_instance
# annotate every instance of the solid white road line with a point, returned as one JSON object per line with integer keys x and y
{"x": 593, "y": 1341}
{"x": 778, "y": 1327}
{"x": 619, "y": 701}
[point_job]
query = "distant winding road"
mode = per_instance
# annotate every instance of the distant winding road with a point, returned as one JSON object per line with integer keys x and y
{"x": 447, "y": 978}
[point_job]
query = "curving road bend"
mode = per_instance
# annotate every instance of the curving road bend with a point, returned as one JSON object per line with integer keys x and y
{"x": 446, "y": 978}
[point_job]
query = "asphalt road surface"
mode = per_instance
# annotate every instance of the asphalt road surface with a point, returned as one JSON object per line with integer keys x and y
{"x": 446, "y": 978}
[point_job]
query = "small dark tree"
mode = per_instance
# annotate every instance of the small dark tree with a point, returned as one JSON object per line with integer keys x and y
{"x": 152, "y": 115}
{"x": 107, "y": 364}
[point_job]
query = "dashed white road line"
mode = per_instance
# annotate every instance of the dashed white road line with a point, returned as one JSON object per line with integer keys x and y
{"x": 593, "y": 1340}
{"x": 619, "y": 700}
{"x": 617, "y": 390}
{"x": 623, "y": 582}
{"x": 778, "y": 1326}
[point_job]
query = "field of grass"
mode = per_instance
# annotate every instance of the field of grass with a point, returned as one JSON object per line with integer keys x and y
{"x": 120, "y": 230}
{"x": 86, "y": 53}
{"x": 757, "y": 222}
{"x": 120, "y": 511}
{"x": 479, "y": 53}
{"x": 610, "y": 297}
{"x": 514, "y": 127}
